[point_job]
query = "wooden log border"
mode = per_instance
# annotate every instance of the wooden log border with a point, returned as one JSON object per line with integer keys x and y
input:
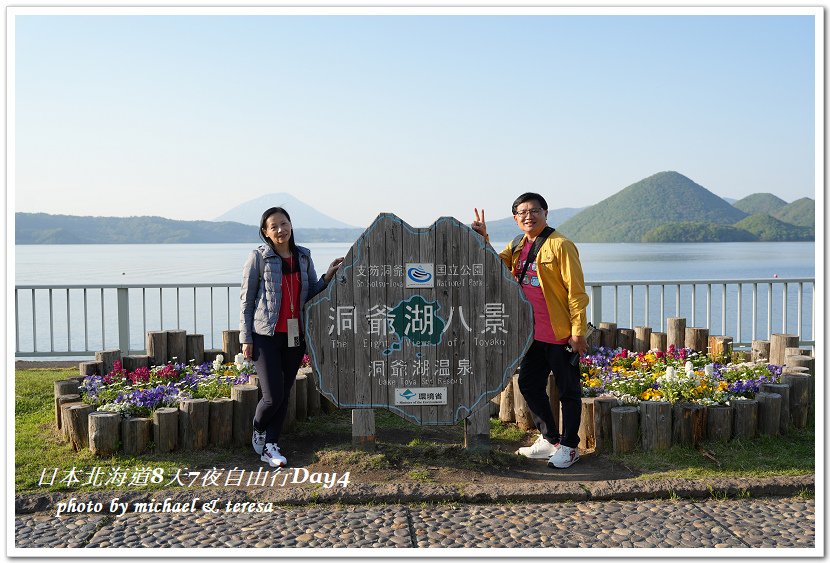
{"x": 655, "y": 429}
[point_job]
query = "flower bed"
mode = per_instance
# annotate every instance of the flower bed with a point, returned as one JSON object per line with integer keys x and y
{"x": 174, "y": 406}
{"x": 138, "y": 393}
{"x": 678, "y": 375}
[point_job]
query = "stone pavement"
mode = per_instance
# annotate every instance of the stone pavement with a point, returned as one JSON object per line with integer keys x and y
{"x": 742, "y": 523}
{"x": 715, "y": 513}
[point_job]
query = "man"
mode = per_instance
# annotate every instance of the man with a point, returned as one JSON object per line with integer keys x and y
{"x": 554, "y": 285}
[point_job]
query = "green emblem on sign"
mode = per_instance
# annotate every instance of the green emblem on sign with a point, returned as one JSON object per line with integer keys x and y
{"x": 416, "y": 319}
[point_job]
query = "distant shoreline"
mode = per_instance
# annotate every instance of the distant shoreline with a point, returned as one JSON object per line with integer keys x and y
{"x": 352, "y": 241}
{"x": 584, "y": 227}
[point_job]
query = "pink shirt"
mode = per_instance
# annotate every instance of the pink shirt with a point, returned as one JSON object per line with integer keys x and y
{"x": 542, "y": 328}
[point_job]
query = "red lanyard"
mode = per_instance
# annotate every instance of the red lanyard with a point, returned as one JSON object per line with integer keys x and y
{"x": 288, "y": 284}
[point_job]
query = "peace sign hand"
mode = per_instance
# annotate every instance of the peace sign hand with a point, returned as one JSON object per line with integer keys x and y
{"x": 479, "y": 224}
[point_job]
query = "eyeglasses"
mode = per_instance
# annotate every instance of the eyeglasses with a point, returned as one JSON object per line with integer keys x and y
{"x": 525, "y": 212}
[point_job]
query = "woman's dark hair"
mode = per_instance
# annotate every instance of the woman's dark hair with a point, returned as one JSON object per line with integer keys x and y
{"x": 529, "y": 196}
{"x": 268, "y": 212}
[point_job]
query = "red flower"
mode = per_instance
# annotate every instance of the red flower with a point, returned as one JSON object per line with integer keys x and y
{"x": 116, "y": 373}
{"x": 141, "y": 374}
{"x": 622, "y": 355}
{"x": 167, "y": 372}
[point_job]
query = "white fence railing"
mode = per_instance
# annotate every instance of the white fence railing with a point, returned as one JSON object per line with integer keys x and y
{"x": 746, "y": 310}
{"x": 78, "y": 320}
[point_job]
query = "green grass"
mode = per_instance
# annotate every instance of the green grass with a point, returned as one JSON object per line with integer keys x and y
{"x": 355, "y": 460}
{"x": 39, "y": 447}
{"x": 806, "y": 494}
{"x": 421, "y": 475}
{"x": 413, "y": 450}
{"x": 501, "y": 432}
{"x": 764, "y": 456}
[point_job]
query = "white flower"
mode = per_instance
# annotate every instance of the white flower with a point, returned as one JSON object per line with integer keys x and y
{"x": 667, "y": 378}
{"x": 627, "y": 399}
{"x": 121, "y": 408}
{"x": 689, "y": 367}
{"x": 240, "y": 361}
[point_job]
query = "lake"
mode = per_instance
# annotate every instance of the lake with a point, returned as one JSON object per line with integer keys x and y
{"x": 222, "y": 263}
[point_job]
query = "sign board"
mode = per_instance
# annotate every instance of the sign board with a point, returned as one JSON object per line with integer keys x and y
{"x": 427, "y": 323}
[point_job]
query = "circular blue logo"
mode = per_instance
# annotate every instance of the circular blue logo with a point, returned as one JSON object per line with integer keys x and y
{"x": 418, "y": 275}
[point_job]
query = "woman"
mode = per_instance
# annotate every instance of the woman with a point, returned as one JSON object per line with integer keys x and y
{"x": 277, "y": 280}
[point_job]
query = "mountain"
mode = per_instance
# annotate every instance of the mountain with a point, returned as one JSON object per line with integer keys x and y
{"x": 768, "y": 228}
{"x": 692, "y": 231}
{"x": 686, "y": 210}
{"x": 302, "y": 215}
{"x": 42, "y": 228}
{"x": 506, "y": 229}
{"x": 665, "y": 197}
{"x": 801, "y": 212}
{"x": 760, "y": 203}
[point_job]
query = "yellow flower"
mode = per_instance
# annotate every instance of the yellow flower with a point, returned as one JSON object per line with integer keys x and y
{"x": 700, "y": 389}
{"x": 723, "y": 386}
{"x": 595, "y": 382}
{"x": 650, "y": 394}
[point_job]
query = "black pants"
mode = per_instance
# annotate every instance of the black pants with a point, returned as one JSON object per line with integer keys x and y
{"x": 540, "y": 360}
{"x": 276, "y": 366}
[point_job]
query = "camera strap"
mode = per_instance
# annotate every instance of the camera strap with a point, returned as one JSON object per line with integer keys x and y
{"x": 534, "y": 250}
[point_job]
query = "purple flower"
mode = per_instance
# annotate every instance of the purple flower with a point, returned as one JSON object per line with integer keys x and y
{"x": 92, "y": 385}
{"x": 153, "y": 398}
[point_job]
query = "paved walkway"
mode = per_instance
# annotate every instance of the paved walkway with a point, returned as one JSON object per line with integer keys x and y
{"x": 741, "y": 523}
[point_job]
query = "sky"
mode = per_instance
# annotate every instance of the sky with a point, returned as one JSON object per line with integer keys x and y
{"x": 186, "y": 116}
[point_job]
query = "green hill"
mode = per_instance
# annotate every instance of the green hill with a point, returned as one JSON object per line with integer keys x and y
{"x": 666, "y": 197}
{"x": 760, "y": 203}
{"x": 801, "y": 212}
{"x": 695, "y": 231}
{"x": 767, "y": 228}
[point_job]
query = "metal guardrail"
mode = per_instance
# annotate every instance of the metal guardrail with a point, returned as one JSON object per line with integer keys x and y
{"x": 779, "y": 302}
{"x": 63, "y": 320}
{"x": 126, "y": 313}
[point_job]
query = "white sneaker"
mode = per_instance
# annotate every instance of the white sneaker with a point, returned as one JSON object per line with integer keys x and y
{"x": 564, "y": 457}
{"x": 271, "y": 454}
{"x": 540, "y": 449}
{"x": 258, "y": 441}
